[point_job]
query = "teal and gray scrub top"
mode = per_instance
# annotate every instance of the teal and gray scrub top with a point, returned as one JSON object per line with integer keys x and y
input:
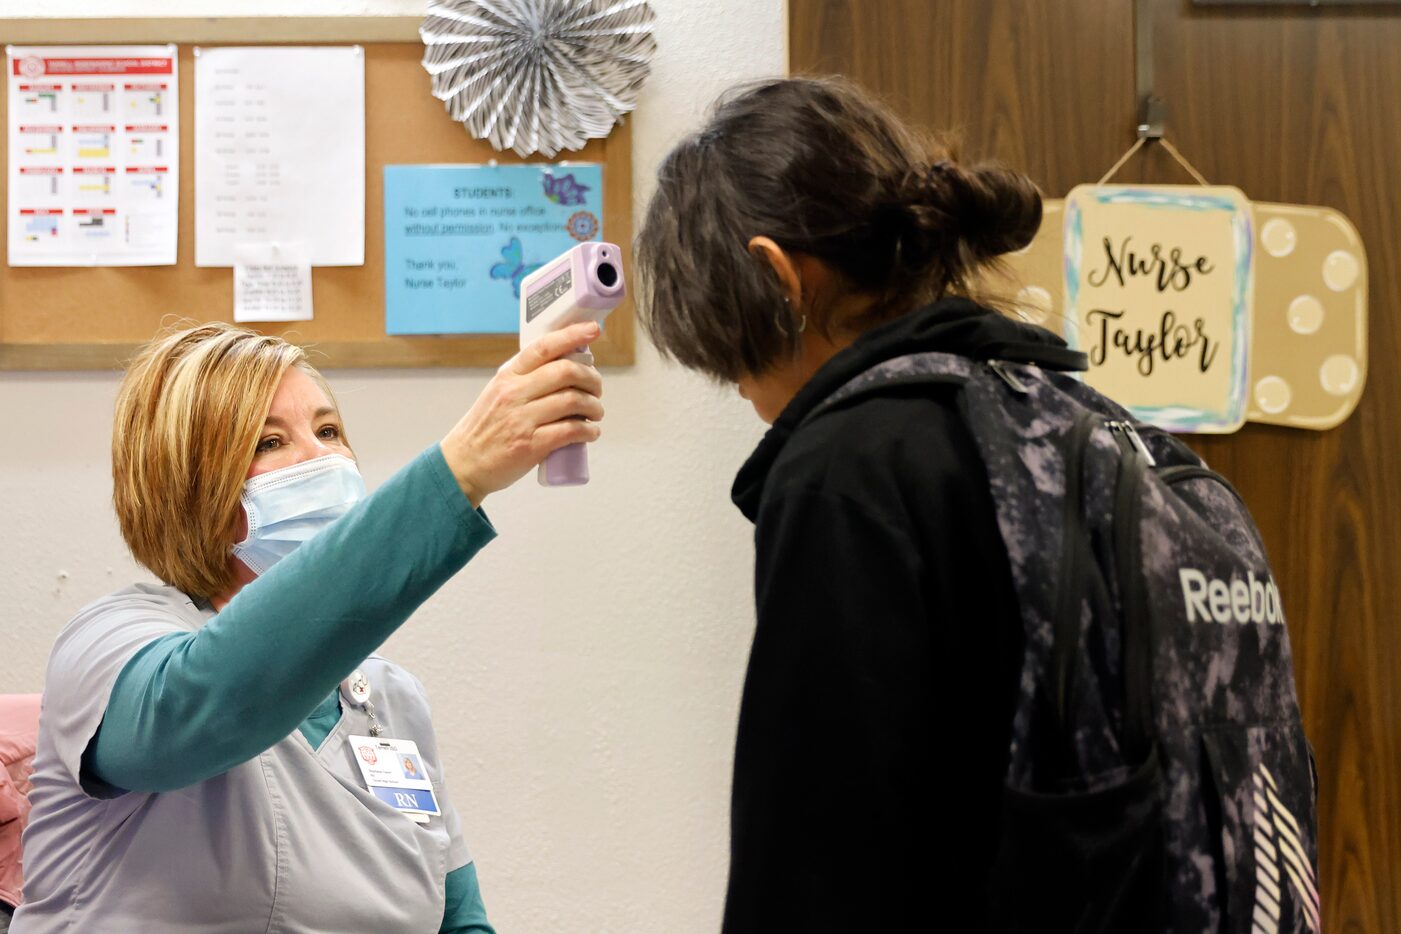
{"x": 239, "y": 823}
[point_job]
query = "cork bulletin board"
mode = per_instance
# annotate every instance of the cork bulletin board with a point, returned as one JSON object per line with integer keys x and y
{"x": 89, "y": 318}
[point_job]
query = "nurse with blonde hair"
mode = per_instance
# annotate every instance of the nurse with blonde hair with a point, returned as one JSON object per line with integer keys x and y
{"x": 195, "y": 769}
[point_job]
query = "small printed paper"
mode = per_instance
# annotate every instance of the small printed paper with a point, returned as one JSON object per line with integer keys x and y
{"x": 272, "y": 282}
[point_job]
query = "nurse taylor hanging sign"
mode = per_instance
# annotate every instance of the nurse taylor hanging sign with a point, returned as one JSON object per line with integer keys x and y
{"x": 1158, "y": 289}
{"x": 1193, "y": 303}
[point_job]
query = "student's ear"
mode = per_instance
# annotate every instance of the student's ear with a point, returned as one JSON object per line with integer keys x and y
{"x": 784, "y": 265}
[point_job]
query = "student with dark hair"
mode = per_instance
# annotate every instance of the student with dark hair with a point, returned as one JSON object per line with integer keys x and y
{"x": 892, "y": 771}
{"x": 797, "y": 239}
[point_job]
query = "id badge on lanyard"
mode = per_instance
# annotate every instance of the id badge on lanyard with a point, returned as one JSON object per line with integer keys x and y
{"x": 393, "y": 770}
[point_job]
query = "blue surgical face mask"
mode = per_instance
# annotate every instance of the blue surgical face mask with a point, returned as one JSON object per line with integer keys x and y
{"x": 287, "y": 506}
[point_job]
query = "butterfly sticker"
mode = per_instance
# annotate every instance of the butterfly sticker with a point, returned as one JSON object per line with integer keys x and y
{"x": 512, "y": 266}
{"x": 563, "y": 190}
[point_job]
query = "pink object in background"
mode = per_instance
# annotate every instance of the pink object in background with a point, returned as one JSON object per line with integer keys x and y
{"x": 19, "y": 729}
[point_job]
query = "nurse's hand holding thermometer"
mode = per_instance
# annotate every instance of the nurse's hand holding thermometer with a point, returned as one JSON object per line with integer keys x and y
{"x": 584, "y": 284}
{"x": 536, "y": 404}
{"x": 543, "y": 402}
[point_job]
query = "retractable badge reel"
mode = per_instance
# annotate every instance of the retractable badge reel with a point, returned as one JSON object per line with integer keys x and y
{"x": 356, "y": 691}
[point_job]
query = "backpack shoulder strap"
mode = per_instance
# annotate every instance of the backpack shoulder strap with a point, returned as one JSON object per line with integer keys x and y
{"x": 956, "y": 369}
{"x": 898, "y": 371}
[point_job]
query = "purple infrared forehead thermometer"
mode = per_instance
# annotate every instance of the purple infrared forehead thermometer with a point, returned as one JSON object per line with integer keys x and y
{"x": 584, "y": 284}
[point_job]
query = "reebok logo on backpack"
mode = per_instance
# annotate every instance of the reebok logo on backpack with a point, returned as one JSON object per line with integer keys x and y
{"x": 1236, "y": 601}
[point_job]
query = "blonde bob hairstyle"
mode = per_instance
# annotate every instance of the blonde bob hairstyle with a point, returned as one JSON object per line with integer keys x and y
{"x": 189, "y": 414}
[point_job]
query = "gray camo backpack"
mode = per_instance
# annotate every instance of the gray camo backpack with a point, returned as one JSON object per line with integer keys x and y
{"x": 1159, "y": 778}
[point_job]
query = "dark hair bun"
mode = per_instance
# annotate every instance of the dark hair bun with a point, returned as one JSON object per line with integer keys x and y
{"x": 987, "y": 209}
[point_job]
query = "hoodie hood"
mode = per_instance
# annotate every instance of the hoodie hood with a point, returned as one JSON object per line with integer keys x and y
{"x": 951, "y": 325}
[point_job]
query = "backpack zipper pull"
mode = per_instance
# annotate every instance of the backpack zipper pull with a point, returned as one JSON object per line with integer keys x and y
{"x": 1011, "y": 379}
{"x": 1128, "y": 435}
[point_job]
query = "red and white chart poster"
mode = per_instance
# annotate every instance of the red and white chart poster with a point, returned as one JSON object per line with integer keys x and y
{"x": 94, "y": 175}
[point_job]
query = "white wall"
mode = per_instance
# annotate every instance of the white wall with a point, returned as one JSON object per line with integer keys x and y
{"x": 585, "y": 670}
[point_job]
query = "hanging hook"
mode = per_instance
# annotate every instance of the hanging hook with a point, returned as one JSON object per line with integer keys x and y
{"x": 1152, "y": 110}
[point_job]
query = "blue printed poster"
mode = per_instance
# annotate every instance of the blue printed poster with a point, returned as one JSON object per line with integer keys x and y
{"x": 458, "y": 239}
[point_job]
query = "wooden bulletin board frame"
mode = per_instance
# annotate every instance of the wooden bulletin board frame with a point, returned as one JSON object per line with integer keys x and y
{"x": 94, "y": 318}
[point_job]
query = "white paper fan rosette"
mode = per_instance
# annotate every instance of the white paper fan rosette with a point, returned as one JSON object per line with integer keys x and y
{"x": 538, "y": 75}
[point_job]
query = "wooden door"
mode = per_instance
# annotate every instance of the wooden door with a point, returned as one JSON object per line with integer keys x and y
{"x": 1289, "y": 104}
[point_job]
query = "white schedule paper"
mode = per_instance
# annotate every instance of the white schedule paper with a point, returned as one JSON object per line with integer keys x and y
{"x": 280, "y": 152}
{"x": 94, "y": 155}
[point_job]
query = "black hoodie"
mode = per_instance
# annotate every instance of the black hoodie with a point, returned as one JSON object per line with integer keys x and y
{"x": 876, "y": 716}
